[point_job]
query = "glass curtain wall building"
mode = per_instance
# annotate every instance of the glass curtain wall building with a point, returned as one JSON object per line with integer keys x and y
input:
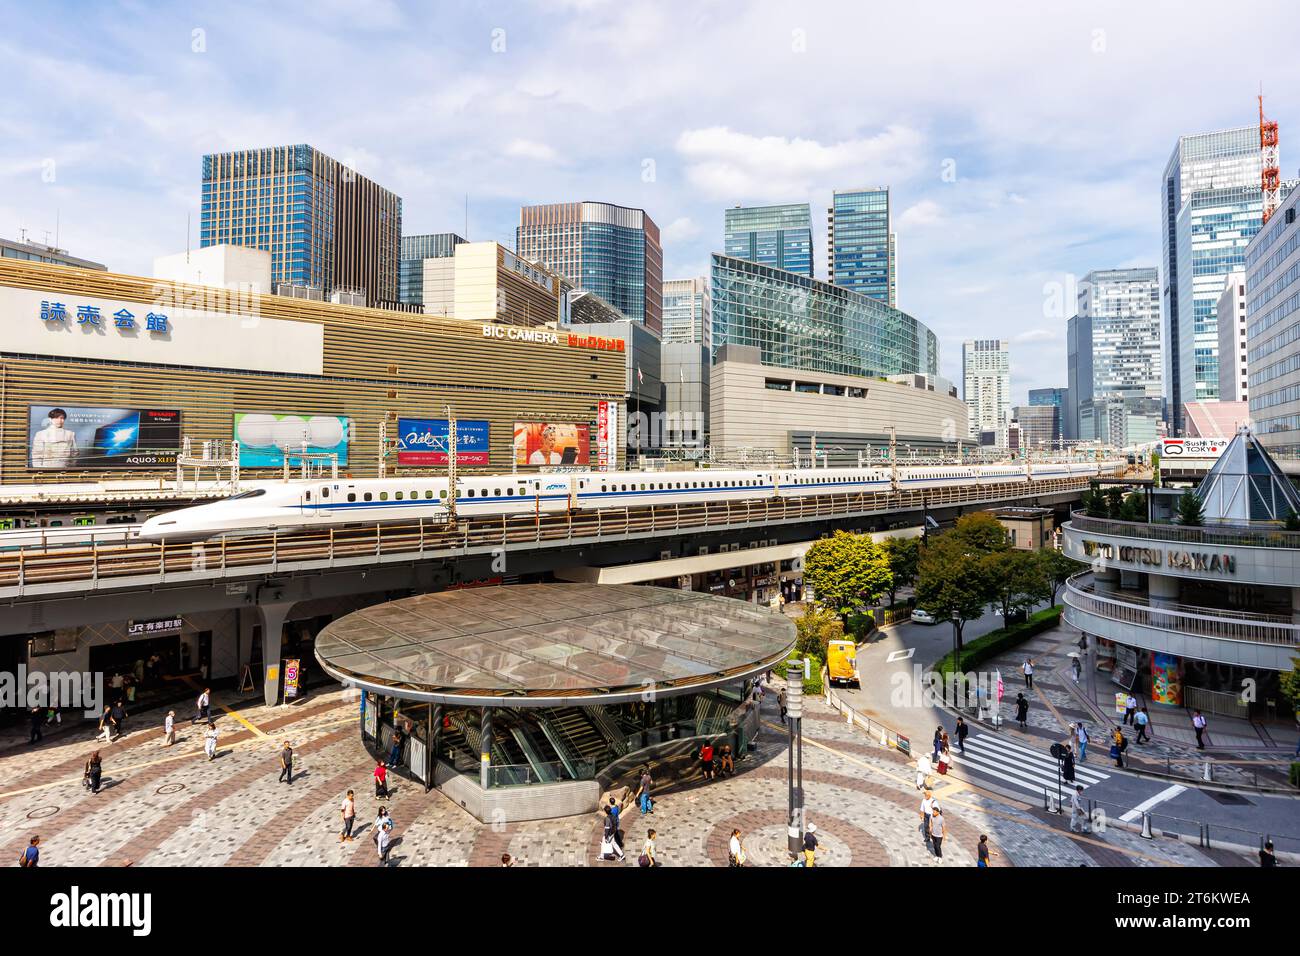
{"x": 779, "y": 236}
{"x": 687, "y": 312}
{"x": 802, "y": 323}
{"x": 1054, "y": 397}
{"x": 415, "y": 249}
{"x": 1211, "y": 206}
{"x": 1273, "y": 329}
{"x": 860, "y": 248}
{"x": 326, "y": 226}
{"x": 610, "y": 250}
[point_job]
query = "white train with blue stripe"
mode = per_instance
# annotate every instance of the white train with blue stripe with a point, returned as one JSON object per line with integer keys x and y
{"x": 313, "y": 504}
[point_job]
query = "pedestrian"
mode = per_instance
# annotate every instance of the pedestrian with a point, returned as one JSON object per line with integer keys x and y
{"x": 203, "y": 707}
{"x": 169, "y": 728}
{"x": 1078, "y": 816}
{"x": 381, "y": 781}
{"x": 286, "y": 763}
{"x": 1081, "y": 734}
{"x": 938, "y": 830}
{"x": 1076, "y": 669}
{"x": 1130, "y": 709}
{"x": 119, "y": 715}
{"x": 945, "y": 761}
{"x": 1067, "y": 764}
{"x": 810, "y": 845}
{"x": 1198, "y": 724}
{"x": 1140, "y": 721}
{"x": 1028, "y": 668}
{"x": 383, "y": 819}
{"x": 984, "y": 853}
{"x": 1118, "y": 745}
{"x": 1022, "y": 711}
{"x": 384, "y": 838}
{"x": 780, "y": 701}
{"x": 210, "y": 741}
{"x": 395, "y": 753}
{"x": 648, "y": 855}
{"x": 349, "y": 811}
{"x": 945, "y": 742}
{"x": 94, "y": 770}
{"x": 927, "y": 806}
{"x": 922, "y": 770}
{"x": 938, "y": 744}
{"x": 706, "y": 760}
{"x": 106, "y": 724}
{"x": 609, "y": 846}
{"x": 735, "y": 850}
{"x": 643, "y": 794}
{"x": 962, "y": 730}
{"x": 32, "y": 855}
{"x": 728, "y": 767}
{"x": 507, "y": 859}
{"x": 37, "y": 719}
{"x": 1266, "y": 855}
{"x": 613, "y": 810}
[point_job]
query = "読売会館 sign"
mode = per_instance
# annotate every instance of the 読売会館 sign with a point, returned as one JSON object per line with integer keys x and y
{"x": 424, "y": 441}
{"x": 81, "y": 438}
{"x": 267, "y": 439}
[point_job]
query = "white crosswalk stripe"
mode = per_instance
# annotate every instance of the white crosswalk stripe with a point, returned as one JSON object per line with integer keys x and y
{"x": 1014, "y": 763}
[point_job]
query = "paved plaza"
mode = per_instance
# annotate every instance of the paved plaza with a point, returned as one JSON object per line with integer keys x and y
{"x": 162, "y": 806}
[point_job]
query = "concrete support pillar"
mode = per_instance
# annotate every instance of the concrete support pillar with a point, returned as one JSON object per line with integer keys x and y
{"x": 272, "y": 618}
{"x": 485, "y": 748}
{"x": 1162, "y": 589}
{"x": 1105, "y": 580}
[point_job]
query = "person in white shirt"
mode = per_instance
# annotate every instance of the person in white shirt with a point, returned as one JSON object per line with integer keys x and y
{"x": 210, "y": 741}
{"x": 54, "y": 446}
{"x": 1082, "y": 736}
{"x": 922, "y": 770}
{"x": 1198, "y": 724}
{"x": 546, "y": 453}
{"x": 648, "y": 851}
{"x": 1028, "y": 668}
{"x": 203, "y": 707}
{"x": 1130, "y": 709}
{"x": 1078, "y": 816}
{"x": 736, "y": 850}
{"x": 169, "y": 728}
{"x": 927, "y": 806}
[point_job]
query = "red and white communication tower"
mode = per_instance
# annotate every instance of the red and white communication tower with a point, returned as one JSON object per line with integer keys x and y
{"x": 1270, "y": 177}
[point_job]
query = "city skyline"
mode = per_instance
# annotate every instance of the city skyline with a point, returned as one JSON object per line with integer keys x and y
{"x": 976, "y": 168}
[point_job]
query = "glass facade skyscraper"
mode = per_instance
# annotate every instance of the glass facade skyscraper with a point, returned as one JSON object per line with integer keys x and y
{"x": 860, "y": 247}
{"x": 1273, "y": 329}
{"x": 325, "y": 225}
{"x": 1226, "y": 164}
{"x": 802, "y": 323}
{"x": 779, "y": 236}
{"x": 415, "y": 249}
{"x": 986, "y": 386}
{"x": 1056, "y": 398}
{"x": 610, "y": 250}
{"x": 687, "y": 312}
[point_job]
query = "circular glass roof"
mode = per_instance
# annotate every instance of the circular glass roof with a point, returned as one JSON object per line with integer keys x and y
{"x": 539, "y": 644}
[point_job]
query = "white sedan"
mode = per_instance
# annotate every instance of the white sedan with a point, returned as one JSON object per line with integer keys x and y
{"x": 922, "y": 616}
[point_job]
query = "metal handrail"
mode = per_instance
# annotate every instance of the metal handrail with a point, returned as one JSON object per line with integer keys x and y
{"x": 1184, "y": 534}
{"x": 1128, "y": 597}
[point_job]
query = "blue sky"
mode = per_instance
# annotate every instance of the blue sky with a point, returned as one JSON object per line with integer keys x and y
{"x": 1056, "y": 117}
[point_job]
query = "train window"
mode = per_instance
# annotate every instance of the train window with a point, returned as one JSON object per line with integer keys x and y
{"x": 309, "y": 496}
{"x": 428, "y": 493}
{"x": 581, "y": 484}
{"x": 414, "y": 495}
{"x": 324, "y": 492}
{"x": 497, "y": 492}
{"x": 471, "y": 492}
{"x": 523, "y": 491}
{"x": 352, "y": 496}
{"x": 368, "y": 496}
{"x": 625, "y": 487}
{"x": 398, "y": 495}
{"x": 383, "y": 496}
{"x": 442, "y": 493}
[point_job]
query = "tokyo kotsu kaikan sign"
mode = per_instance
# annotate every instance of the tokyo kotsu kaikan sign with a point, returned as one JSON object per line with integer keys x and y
{"x": 1175, "y": 560}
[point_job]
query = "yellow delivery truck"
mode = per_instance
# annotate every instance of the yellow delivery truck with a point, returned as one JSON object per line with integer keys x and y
{"x": 842, "y": 663}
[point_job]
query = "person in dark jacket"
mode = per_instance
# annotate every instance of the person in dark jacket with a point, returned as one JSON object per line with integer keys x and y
{"x": 1022, "y": 711}
{"x": 1067, "y": 764}
{"x": 94, "y": 771}
{"x": 38, "y": 718}
{"x": 961, "y": 731}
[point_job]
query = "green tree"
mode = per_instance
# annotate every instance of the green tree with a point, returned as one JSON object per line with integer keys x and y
{"x": 1190, "y": 511}
{"x": 1057, "y": 568}
{"x": 816, "y": 628}
{"x": 1017, "y": 580}
{"x": 1292, "y": 522}
{"x": 1114, "y": 502}
{"x": 952, "y": 582}
{"x": 1094, "y": 503}
{"x": 1289, "y": 684}
{"x": 848, "y": 571}
{"x": 1155, "y": 468}
{"x": 1134, "y": 507}
{"x": 980, "y": 533}
{"x": 904, "y": 557}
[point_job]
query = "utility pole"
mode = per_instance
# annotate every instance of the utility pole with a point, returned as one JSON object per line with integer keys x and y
{"x": 451, "y": 465}
{"x": 794, "y": 671}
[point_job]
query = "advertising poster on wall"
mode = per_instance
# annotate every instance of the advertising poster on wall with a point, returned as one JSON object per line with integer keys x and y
{"x": 552, "y": 443}
{"x": 1166, "y": 686}
{"x": 423, "y": 441}
{"x": 265, "y": 439}
{"x": 606, "y": 429}
{"x": 292, "y": 681}
{"x": 75, "y": 437}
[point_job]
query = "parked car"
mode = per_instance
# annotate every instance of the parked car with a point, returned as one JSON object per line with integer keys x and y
{"x": 922, "y": 616}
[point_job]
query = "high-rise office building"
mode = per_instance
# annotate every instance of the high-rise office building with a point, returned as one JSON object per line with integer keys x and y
{"x": 1231, "y": 318}
{"x": 860, "y": 246}
{"x": 1038, "y": 427}
{"x": 986, "y": 386}
{"x": 1055, "y": 398}
{"x": 416, "y": 253}
{"x": 777, "y": 236}
{"x": 1273, "y": 329}
{"x": 1211, "y": 207}
{"x": 1078, "y": 358}
{"x": 610, "y": 250}
{"x": 687, "y": 312}
{"x": 36, "y": 252}
{"x": 326, "y": 226}
{"x": 1114, "y": 350}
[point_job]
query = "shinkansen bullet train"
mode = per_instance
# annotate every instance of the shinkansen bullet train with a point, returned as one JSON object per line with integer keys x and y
{"x": 311, "y": 504}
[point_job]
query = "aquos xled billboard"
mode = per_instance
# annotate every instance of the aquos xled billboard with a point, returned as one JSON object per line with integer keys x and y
{"x": 76, "y": 437}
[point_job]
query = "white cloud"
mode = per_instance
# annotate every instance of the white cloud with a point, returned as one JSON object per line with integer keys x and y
{"x": 529, "y": 149}
{"x": 924, "y": 213}
{"x": 678, "y": 230}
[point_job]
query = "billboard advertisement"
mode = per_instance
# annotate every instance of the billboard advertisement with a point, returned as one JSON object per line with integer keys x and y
{"x": 1193, "y": 447}
{"x": 266, "y": 439}
{"x": 1166, "y": 688}
{"x": 423, "y": 441}
{"x": 606, "y": 430}
{"x": 552, "y": 443}
{"x": 72, "y": 437}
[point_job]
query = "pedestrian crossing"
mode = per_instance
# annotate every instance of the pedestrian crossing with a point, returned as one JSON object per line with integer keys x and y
{"x": 1012, "y": 763}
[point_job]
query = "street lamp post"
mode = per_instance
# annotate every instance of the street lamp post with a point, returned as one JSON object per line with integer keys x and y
{"x": 794, "y": 671}
{"x": 956, "y": 650}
